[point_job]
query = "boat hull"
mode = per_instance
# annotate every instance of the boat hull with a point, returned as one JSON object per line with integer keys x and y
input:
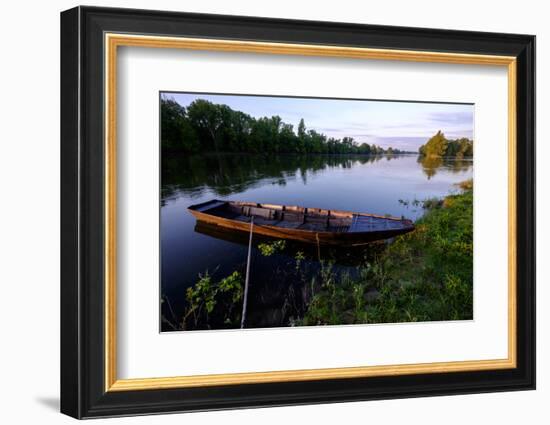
{"x": 304, "y": 236}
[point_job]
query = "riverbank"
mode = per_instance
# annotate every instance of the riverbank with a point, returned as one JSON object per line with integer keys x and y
{"x": 425, "y": 275}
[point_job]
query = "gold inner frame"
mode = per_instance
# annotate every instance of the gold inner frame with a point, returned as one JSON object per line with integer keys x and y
{"x": 113, "y": 41}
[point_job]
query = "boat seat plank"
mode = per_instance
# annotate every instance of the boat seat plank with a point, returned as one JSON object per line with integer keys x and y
{"x": 259, "y": 212}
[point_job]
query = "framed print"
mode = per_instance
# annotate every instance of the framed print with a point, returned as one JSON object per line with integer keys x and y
{"x": 261, "y": 212}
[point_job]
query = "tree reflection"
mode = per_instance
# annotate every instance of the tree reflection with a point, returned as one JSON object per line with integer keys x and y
{"x": 226, "y": 174}
{"x": 431, "y": 164}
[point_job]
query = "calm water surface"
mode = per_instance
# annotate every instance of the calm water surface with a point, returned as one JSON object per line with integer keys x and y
{"x": 354, "y": 183}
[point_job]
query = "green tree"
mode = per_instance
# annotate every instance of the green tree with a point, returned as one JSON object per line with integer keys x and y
{"x": 207, "y": 117}
{"x": 436, "y": 146}
{"x": 287, "y": 138}
{"x": 439, "y": 146}
{"x": 177, "y": 133}
{"x": 364, "y": 148}
{"x": 301, "y": 129}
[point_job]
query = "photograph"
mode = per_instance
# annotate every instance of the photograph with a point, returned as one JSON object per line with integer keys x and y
{"x": 279, "y": 211}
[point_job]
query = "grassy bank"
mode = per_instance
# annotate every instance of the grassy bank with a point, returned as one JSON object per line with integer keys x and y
{"x": 424, "y": 275}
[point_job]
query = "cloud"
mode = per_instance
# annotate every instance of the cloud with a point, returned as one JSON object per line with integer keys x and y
{"x": 452, "y": 118}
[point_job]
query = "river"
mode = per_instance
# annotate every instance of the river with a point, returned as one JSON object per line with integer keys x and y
{"x": 374, "y": 184}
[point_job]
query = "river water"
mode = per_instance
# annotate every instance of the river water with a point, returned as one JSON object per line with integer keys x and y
{"x": 380, "y": 185}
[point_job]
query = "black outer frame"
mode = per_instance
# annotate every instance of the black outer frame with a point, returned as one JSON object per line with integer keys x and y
{"x": 82, "y": 216}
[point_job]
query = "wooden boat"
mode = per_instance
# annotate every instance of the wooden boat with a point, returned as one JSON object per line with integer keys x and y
{"x": 309, "y": 225}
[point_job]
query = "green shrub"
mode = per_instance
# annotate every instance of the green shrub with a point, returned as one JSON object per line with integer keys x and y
{"x": 213, "y": 304}
{"x": 268, "y": 249}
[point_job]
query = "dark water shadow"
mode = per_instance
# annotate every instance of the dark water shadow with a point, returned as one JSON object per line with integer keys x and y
{"x": 348, "y": 257}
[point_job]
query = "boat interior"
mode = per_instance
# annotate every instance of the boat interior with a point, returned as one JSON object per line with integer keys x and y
{"x": 300, "y": 218}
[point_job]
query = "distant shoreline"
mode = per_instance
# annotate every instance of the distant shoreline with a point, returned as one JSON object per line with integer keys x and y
{"x": 174, "y": 153}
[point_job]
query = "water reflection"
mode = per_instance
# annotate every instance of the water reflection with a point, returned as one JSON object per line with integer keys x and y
{"x": 233, "y": 173}
{"x": 430, "y": 165}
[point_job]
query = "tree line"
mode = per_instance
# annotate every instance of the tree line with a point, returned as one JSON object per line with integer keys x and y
{"x": 207, "y": 127}
{"x": 439, "y": 146}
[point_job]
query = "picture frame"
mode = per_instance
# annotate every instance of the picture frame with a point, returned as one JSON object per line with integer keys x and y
{"x": 90, "y": 40}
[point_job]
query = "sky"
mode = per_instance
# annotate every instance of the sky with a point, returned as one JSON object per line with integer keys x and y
{"x": 401, "y": 125}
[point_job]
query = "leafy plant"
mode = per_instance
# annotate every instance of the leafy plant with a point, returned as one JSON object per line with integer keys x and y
{"x": 268, "y": 249}
{"x": 299, "y": 258}
{"x": 214, "y": 304}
